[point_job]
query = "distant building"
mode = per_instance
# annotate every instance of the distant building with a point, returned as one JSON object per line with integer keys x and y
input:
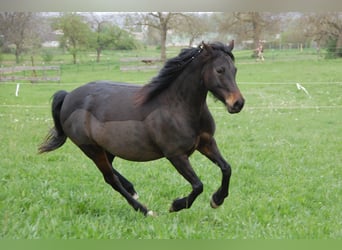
{"x": 52, "y": 39}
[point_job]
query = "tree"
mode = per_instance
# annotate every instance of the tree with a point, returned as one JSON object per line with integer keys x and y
{"x": 76, "y": 33}
{"x": 249, "y": 25}
{"x": 325, "y": 29}
{"x": 109, "y": 36}
{"x": 105, "y": 33}
{"x": 105, "y": 36}
{"x": 18, "y": 28}
{"x": 191, "y": 25}
{"x": 161, "y": 21}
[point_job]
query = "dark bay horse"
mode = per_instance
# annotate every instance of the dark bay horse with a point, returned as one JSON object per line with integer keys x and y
{"x": 167, "y": 117}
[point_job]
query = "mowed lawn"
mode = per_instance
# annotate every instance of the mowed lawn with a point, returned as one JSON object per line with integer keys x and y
{"x": 284, "y": 147}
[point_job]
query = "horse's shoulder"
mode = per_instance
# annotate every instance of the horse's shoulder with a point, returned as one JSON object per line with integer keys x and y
{"x": 207, "y": 121}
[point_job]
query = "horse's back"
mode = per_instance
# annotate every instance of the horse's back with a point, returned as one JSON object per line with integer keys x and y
{"x": 107, "y": 101}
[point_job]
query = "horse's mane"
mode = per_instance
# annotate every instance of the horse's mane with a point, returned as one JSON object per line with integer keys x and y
{"x": 172, "y": 68}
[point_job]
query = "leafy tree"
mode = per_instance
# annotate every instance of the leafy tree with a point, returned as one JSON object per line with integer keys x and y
{"x": 77, "y": 34}
{"x": 110, "y": 36}
{"x": 104, "y": 37}
{"x": 125, "y": 41}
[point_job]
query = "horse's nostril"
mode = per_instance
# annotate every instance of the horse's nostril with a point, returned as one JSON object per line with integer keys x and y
{"x": 238, "y": 105}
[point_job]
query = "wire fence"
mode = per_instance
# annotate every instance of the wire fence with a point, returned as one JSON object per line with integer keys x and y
{"x": 138, "y": 66}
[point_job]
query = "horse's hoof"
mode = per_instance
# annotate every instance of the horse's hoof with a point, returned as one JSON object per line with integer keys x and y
{"x": 151, "y": 213}
{"x": 135, "y": 196}
{"x": 213, "y": 204}
{"x": 176, "y": 205}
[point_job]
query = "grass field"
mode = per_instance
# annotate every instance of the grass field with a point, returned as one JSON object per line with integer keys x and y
{"x": 284, "y": 147}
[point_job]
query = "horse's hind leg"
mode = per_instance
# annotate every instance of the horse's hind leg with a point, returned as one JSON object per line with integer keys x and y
{"x": 208, "y": 147}
{"x": 125, "y": 183}
{"x": 99, "y": 156}
{"x": 183, "y": 166}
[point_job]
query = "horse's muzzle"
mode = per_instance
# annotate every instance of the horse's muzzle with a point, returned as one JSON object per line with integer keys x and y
{"x": 235, "y": 103}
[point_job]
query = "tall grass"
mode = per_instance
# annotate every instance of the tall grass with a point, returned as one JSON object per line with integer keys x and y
{"x": 284, "y": 148}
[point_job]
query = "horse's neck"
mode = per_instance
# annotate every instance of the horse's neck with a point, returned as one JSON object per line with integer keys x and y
{"x": 189, "y": 91}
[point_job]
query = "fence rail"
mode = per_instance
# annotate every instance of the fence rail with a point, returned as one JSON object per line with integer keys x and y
{"x": 139, "y": 63}
{"x": 10, "y": 73}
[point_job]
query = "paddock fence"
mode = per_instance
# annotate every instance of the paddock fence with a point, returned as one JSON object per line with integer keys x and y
{"x": 32, "y": 74}
{"x": 139, "y": 63}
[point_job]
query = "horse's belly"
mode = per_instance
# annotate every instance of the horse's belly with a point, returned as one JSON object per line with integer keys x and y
{"x": 126, "y": 139}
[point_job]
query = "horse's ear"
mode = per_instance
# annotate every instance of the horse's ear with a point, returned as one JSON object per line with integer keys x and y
{"x": 207, "y": 48}
{"x": 231, "y": 45}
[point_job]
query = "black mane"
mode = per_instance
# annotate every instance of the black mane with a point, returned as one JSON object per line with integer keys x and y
{"x": 173, "y": 67}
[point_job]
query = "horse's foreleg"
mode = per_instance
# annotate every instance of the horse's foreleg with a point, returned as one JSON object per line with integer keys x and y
{"x": 182, "y": 164}
{"x": 208, "y": 147}
{"x": 99, "y": 156}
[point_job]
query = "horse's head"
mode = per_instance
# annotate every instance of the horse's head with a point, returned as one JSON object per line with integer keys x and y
{"x": 219, "y": 75}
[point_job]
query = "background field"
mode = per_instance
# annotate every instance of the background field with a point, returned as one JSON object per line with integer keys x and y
{"x": 284, "y": 147}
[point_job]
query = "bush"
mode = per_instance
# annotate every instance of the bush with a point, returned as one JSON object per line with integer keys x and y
{"x": 47, "y": 56}
{"x": 332, "y": 50}
{"x": 127, "y": 42}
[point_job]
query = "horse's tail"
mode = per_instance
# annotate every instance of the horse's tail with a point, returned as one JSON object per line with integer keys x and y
{"x": 56, "y": 137}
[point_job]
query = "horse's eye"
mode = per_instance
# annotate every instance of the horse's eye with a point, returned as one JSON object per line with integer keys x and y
{"x": 220, "y": 70}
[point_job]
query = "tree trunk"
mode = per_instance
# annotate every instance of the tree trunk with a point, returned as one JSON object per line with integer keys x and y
{"x": 163, "y": 43}
{"x": 98, "y": 54}
{"x": 17, "y": 54}
{"x": 338, "y": 49}
{"x": 74, "y": 57}
{"x": 34, "y": 72}
{"x": 256, "y": 32}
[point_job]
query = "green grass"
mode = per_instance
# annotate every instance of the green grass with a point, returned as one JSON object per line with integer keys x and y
{"x": 284, "y": 148}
